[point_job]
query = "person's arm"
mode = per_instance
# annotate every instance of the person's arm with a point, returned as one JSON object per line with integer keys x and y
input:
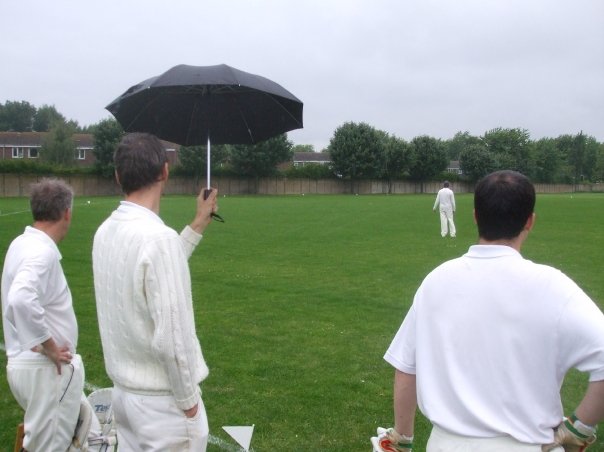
{"x": 174, "y": 342}
{"x": 405, "y": 403}
{"x": 58, "y": 355}
{"x": 591, "y": 409}
{"x": 436, "y": 202}
{"x": 205, "y": 208}
{"x": 190, "y": 236}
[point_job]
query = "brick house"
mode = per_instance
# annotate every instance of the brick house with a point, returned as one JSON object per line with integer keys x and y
{"x": 27, "y": 145}
{"x": 307, "y": 158}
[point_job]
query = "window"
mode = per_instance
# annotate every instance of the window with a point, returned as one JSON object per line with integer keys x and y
{"x": 17, "y": 153}
{"x": 80, "y": 154}
{"x": 32, "y": 153}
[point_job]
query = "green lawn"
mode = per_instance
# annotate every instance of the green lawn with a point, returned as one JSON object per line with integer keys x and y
{"x": 298, "y": 297}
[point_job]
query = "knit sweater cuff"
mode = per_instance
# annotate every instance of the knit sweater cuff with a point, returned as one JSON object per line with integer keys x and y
{"x": 189, "y": 402}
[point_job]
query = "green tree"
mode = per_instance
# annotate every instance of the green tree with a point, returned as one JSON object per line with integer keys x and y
{"x": 475, "y": 161}
{"x": 547, "y": 160}
{"x": 106, "y": 136}
{"x": 429, "y": 159}
{"x": 193, "y": 159}
{"x": 461, "y": 141}
{"x": 357, "y": 151}
{"x": 599, "y": 174}
{"x": 512, "y": 148}
{"x": 399, "y": 158}
{"x": 46, "y": 118}
{"x": 17, "y": 116}
{"x": 58, "y": 147}
{"x": 303, "y": 148}
{"x": 580, "y": 153}
{"x": 261, "y": 159}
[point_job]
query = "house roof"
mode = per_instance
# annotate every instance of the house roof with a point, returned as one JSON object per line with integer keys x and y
{"x": 311, "y": 157}
{"x": 36, "y": 139}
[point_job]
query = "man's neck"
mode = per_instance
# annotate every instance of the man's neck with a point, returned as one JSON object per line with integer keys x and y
{"x": 515, "y": 243}
{"x": 51, "y": 228}
{"x": 148, "y": 197}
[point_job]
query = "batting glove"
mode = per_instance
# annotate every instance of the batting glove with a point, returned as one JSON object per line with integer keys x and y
{"x": 574, "y": 435}
{"x": 388, "y": 440}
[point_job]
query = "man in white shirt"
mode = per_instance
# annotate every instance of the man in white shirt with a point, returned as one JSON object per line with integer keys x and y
{"x": 145, "y": 308}
{"x": 445, "y": 201}
{"x": 489, "y": 338}
{"x": 45, "y": 374}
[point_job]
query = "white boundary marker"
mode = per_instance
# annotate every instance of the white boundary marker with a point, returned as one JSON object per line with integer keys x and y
{"x": 212, "y": 439}
{"x": 13, "y": 213}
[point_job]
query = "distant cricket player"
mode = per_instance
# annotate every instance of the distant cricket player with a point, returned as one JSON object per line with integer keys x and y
{"x": 145, "y": 309}
{"x": 490, "y": 336}
{"x": 445, "y": 203}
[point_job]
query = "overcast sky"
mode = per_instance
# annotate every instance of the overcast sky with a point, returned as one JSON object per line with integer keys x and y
{"x": 408, "y": 67}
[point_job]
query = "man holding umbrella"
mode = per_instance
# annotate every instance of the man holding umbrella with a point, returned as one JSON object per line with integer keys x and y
{"x": 145, "y": 310}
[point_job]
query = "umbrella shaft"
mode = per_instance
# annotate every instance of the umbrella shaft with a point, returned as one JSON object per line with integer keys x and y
{"x": 208, "y": 165}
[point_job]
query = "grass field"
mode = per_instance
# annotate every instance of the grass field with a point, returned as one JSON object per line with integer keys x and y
{"x": 297, "y": 298}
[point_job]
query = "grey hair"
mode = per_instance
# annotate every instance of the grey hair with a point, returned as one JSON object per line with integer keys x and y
{"x": 49, "y": 199}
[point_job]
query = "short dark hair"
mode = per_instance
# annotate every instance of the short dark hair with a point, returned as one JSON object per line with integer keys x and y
{"x": 503, "y": 203}
{"x": 446, "y": 183}
{"x": 139, "y": 160}
{"x": 49, "y": 199}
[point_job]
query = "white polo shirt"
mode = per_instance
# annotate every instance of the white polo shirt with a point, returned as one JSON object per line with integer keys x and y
{"x": 490, "y": 337}
{"x": 36, "y": 300}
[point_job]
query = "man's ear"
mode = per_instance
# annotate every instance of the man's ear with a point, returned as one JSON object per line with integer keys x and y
{"x": 165, "y": 172}
{"x": 67, "y": 214}
{"x": 530, "y": 223}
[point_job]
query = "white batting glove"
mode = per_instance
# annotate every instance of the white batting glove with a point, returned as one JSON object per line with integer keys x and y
{"x": 574, "y": 435}
{"x": 389, "y": 440}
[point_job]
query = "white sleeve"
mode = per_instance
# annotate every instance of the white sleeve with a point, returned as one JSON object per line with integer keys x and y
{"x": 174, "y": 341}
{"x": 401, "y": 353}
{"x": 189, "y": 239}
{"x": 24, "y": 310}
{"x": 582, "y": 335}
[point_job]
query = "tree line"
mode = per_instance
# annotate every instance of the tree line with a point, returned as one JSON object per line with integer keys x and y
{"x": 356, "y": 150}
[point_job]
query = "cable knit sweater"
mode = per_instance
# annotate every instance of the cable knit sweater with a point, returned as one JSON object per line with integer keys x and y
{"x": 144, "y": 305}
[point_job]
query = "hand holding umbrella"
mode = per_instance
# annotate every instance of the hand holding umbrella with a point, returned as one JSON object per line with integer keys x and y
{"x": 206, "y": 210}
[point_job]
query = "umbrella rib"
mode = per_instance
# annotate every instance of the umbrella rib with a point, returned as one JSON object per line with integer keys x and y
{"x": 289, "y": 113}
{"x": 191, "y": 119}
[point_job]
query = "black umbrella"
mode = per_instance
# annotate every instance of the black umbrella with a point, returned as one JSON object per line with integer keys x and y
{"x": 195, "y": 105}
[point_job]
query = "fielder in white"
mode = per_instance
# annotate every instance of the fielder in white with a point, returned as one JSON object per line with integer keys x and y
{"x": 145, "y": 308}
{"x": 489, "y": 338}
{"x": 45, "y": 374}
{"x": 445, "y": 202}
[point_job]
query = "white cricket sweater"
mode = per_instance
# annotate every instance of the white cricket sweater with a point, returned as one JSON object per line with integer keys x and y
{"x": 144, "y": 305}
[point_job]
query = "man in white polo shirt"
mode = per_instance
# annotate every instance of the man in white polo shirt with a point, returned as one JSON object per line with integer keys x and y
{"x": 489, "y": 338}
{"x": 145, "y": 308}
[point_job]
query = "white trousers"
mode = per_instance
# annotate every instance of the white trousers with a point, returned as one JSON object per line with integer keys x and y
{"x": 51, "y": 401}
{"x": 443, "y": 441}
{"x": 446, "y": 223}
{"x": 154, "y": 423}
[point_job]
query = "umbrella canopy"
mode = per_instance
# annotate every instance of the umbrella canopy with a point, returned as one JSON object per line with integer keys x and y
{"x": 193, "y": 105}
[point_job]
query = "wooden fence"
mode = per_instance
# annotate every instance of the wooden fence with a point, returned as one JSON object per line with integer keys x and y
{"x": 14, "y": 185}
